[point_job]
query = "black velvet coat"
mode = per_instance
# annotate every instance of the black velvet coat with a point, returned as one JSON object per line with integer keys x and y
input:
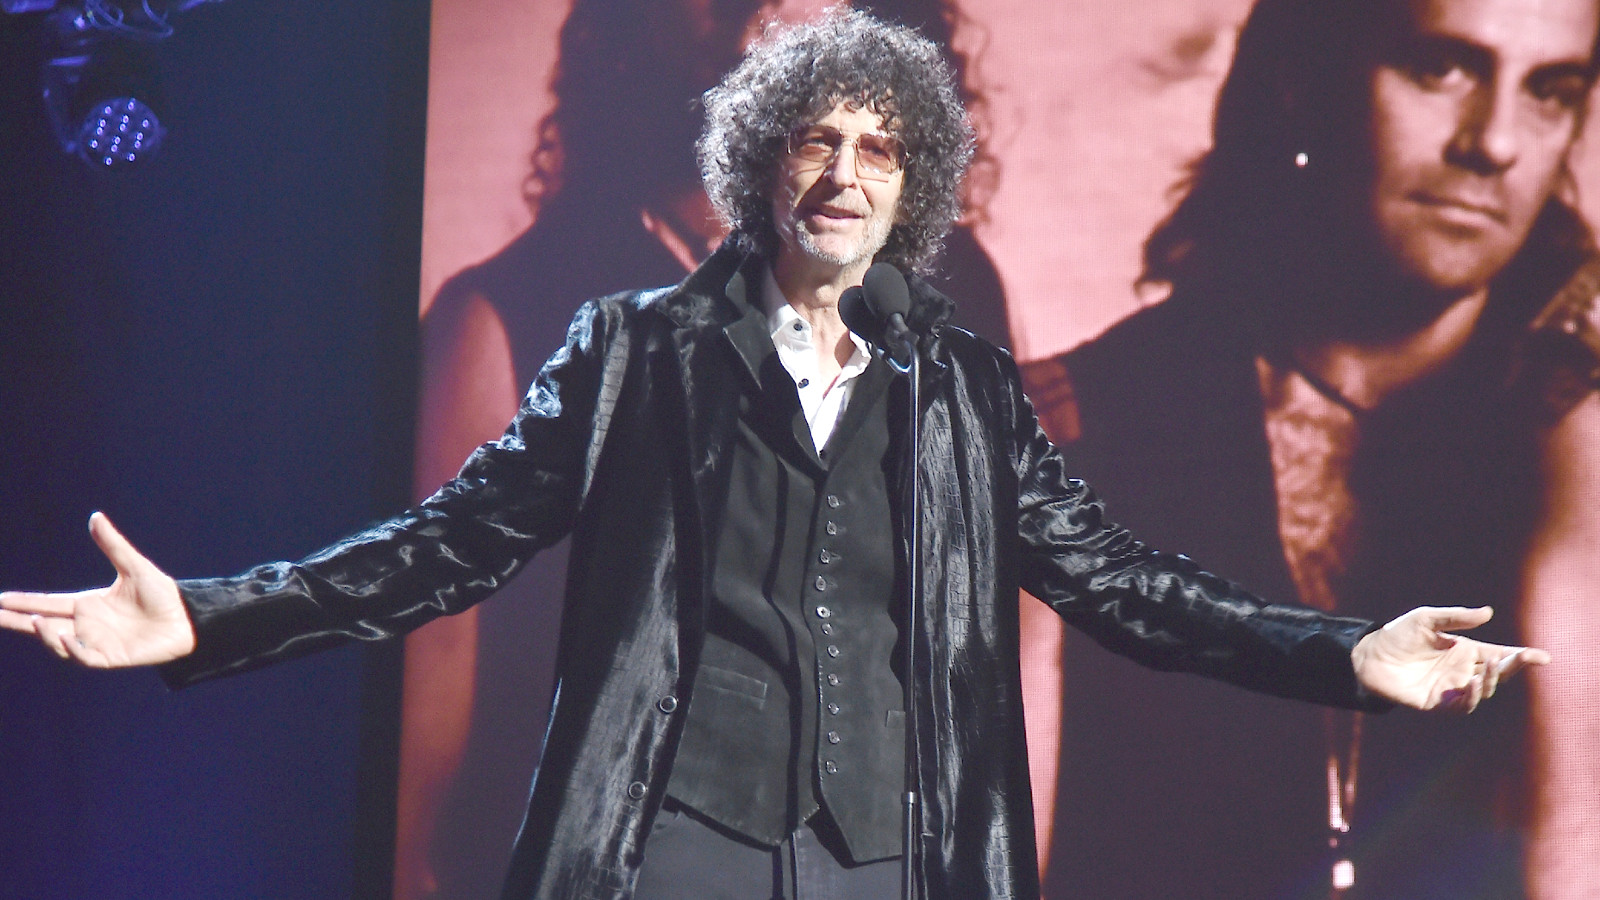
{"x": 622, "y": 441}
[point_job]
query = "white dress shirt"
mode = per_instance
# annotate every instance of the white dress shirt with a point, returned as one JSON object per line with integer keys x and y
{"x": 822, "y": 403}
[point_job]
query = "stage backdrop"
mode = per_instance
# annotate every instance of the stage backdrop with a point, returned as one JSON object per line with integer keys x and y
{"x": 558, "y": 168}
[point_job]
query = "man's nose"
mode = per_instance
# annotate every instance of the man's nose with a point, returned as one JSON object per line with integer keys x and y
{"x": 841, "y": 169}
{"x": 1489, "y": 133}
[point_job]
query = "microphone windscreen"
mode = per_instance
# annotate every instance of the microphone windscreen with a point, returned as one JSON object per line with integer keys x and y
{"x": 886, "y": 291}
{"x": 858, "y": 316}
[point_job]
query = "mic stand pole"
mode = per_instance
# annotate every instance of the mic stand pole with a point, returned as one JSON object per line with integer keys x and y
{"x": 912, "y": 819}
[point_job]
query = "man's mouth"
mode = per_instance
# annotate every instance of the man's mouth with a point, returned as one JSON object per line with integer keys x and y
{"x": 834, "y": 212}
{"x": 1463, "y": 207}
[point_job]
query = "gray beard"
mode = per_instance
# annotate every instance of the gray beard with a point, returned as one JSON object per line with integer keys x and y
{"x": 872, "y": 240}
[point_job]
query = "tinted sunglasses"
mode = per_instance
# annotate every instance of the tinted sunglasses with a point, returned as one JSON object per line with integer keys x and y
{"x": 878, "y": 156}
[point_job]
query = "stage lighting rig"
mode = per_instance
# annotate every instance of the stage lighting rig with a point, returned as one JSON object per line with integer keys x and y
{"x": 99, "y": 79}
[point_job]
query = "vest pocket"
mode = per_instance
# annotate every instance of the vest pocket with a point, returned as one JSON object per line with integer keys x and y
{"x": 726, "y": 681}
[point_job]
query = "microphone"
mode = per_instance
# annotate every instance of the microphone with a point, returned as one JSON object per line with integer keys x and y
{"x": 877, "y": 312}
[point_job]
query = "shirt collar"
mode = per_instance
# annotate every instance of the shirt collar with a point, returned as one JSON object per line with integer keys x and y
{"x": 790, "y": 329}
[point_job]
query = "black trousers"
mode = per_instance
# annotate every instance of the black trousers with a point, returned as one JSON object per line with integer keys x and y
{"x": 686, "y": 858}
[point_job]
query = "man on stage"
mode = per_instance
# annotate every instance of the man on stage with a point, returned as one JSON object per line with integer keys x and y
{"x": 727, "y": 457}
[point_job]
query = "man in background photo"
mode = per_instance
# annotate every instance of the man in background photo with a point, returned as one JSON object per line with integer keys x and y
{"x": 1372, "y": 382}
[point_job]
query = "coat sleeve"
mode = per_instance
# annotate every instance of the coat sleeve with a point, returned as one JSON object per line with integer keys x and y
{"x": 513, "y": 497}
{"x": 1161, "y": 609}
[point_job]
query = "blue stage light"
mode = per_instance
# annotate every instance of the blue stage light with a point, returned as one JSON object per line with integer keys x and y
{"x": 100, "y": 93}
{"x": 100, "y": 77}
{"x": 119, "y": 132}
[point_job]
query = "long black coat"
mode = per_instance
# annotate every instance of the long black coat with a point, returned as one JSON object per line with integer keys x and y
{"x": 623, "y": 441}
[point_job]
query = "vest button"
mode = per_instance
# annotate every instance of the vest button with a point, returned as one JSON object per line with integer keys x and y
{"x": 821, "y": 584}
{"x": 831, "y": 528}
{"x": 833, "y": 738}
{"x": 822, "y": 611}
{"x": 667, "y": 704}
{"x": 831, "y": 767}
{"x": 833, "y": 709}
{"x": 833, "y": 501}
{"x": 636, "y": 790}
{"x": 833, "y": 651}
{"x": 833, "y": 679}
{"x": 824, "y": 557}
{"x": 827, "y": 628}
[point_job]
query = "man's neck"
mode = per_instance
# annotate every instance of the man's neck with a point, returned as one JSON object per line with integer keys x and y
{"x": 813, "y": 288}
{"x": 1368, "y": 370}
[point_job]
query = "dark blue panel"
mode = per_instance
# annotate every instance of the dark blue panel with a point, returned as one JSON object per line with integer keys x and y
{"x": 216, "y": 348}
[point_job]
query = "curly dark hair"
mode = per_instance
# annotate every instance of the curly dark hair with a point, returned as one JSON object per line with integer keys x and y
{"x": 795, "y": 75}
{"x": 1251, "y": 228}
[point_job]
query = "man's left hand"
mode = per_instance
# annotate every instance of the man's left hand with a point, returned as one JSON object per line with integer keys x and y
{"x": 1415, "y": 660}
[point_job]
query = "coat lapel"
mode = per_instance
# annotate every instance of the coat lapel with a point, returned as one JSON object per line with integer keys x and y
{"x": 714, "y": 379}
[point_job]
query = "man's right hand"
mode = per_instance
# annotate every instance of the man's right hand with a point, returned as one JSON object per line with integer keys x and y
{"x": 137, "y": 620}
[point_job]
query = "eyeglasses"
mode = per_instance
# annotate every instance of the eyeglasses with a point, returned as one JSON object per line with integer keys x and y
{"x": 878, "y": 156}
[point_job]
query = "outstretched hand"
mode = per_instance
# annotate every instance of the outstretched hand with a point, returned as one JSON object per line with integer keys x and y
{"x": 1416, "y": 662}
{"x": 138, "y": 619}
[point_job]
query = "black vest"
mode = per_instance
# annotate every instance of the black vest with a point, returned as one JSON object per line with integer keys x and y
{"x": 795, "y": 707}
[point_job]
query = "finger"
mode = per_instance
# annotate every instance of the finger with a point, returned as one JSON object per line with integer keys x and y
{"x": 82, "y": 653}
{"x": 63, "y": 640}
{"x": 1474, "y": 693}
{"x": 1456, "y": 618}
{"x": 1520, "y": 658}
{"x": 1532, "y": 656}
{"x": 55, "y": 635}
{"x": 1463, "y": 698}
{"x": 31, "y": 603}
{"x": 17, "y": 621}
{"x": 1492, "y": 671}
{"x": 1455, "y": 672}
{"x": 1450, "y": 700}
{"x": 124, "y": 558}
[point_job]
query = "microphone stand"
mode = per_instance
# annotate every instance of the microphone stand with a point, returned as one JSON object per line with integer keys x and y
{"x": 912, "y": 824}
{"x": 879, "y": 307}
